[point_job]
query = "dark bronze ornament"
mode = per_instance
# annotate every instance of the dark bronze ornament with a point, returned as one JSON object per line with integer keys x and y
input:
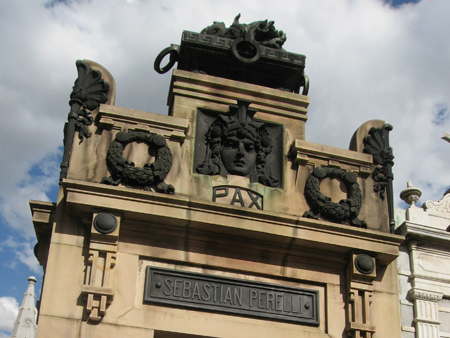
{"x": 261, "y": 32}
{"x": 236, "y": 144}
{"x": 346, "y": 210}
{"x": 376, "y": 143}
{"x": 105, "y": 223}
{"x": 364, "y": 264}
{"x": 89, "y": 91}
{"x": 152, "y": 175}
{"x": 173, "y": 58}
{"x": 249, "y": 53}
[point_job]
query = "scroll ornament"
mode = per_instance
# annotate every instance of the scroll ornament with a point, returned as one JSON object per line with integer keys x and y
{"x": 152, "y": 175}
{"x": 346, "y": 210}
{"x": 376, "y": 143}
{"x": 89, "y": 91}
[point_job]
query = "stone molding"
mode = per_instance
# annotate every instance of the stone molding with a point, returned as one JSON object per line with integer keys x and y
{"x": 423, "y": 232}
{"x": 112, "y": 117}
{"x": 226, "y": 92}
{"x": 420, "y": 294}
{"x": 182, "y": 212}
{"x": 301, "y": 151}
{"x": 43, "y": 214}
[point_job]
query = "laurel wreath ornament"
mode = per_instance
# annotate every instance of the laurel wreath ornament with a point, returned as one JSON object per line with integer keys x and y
{"x": 152, "y": 175}
{"x": 347, "y": 210}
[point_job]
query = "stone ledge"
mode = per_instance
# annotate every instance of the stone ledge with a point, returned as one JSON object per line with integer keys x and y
{"x": 423, "y": 232}
{"x": 118, "y": 117}
{"x": 219, "y": 90}
{"x": 42, "y": 212}
{"x": 187, "y": 213}
{"x": 301, "y": 151}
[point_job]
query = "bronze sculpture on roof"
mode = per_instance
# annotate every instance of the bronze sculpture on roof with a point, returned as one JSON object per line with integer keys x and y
{"x": 249, "y": 53}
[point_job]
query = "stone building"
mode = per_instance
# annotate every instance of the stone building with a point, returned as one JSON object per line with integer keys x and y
{"x": 220, "y": 219}
{"x": 424, "y": 266}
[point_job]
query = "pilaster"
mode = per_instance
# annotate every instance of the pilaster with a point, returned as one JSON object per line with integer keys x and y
{"x": 361, "y": 274}
{"x": 426, "y": 314}
{"x": 98, "y": 290}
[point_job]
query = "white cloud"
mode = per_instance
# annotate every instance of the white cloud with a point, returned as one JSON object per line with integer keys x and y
{"x": 365, "y": 60}
{"x": 23, "y": 251}
{"x": 15, "y": 195}
{"x": 9, "y": 308}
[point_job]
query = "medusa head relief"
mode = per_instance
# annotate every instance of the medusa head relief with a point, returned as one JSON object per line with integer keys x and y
{"x": 237, "y": 144}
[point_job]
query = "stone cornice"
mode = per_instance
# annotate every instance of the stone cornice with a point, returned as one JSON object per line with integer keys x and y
{"x": 119, "y": 118}
{"x": 302, "y": 152}
{"x": 429, "y": 279}
{"x": 422, "y": 232}
{"x": 280, "y": 229}
{"x": 273, "y": 101}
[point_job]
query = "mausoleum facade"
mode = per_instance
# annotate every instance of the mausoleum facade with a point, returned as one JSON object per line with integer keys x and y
{"x": 219, "y": 219}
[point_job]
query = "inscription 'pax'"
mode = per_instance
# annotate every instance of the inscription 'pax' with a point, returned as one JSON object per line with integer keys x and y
{"x": 237, "y": 196}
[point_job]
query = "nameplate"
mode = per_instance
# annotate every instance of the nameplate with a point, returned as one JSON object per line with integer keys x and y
{"x": 231, "y": 296}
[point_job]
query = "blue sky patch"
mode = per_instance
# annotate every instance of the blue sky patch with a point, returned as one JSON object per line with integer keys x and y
{"x": 442, "y": 116}
{"x": 399, "y": 3}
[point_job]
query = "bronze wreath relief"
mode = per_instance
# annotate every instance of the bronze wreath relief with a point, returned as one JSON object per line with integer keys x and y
{"x": 152, "y": 175}
{"x": 321, "y": 206}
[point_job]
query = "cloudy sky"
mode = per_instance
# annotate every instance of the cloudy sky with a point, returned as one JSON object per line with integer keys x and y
{"x": 366, "y": 59}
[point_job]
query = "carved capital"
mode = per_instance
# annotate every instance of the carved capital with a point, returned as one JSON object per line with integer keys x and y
{"x": 430, "y": 296}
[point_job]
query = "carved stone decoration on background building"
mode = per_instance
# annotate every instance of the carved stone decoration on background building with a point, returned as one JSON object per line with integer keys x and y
{"x": 376, "y": 143}
{"x": 89, "y": 91}
{"x": 249, "y": 53}
{"x": 346, "y": 210}
{"x": 236, "y": 144}
{"x": 442, "y": 206}
{"x": 152, "y": 175}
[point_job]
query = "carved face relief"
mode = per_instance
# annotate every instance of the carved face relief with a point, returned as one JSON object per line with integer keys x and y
{"x": 238, "y": 155}
{"x": 237, "y": 144}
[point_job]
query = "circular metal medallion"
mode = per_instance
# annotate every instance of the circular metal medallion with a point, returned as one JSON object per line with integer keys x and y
{"x": 105, "y": 223}
{"x": 364, "y": 264}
